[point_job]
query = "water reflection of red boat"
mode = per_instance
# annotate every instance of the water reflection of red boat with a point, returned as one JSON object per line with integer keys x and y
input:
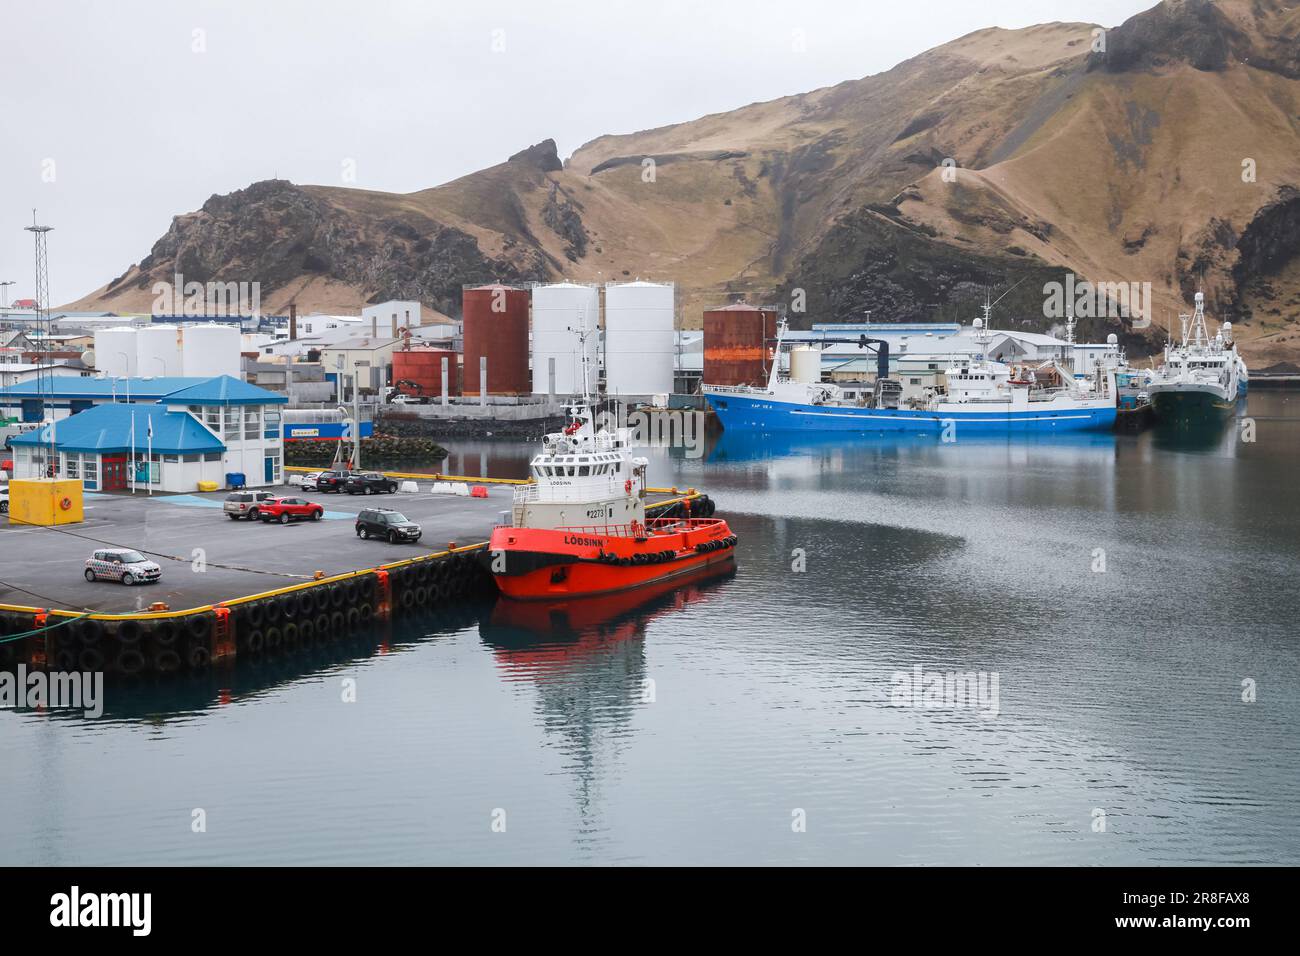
{"x": 533, "y": 632}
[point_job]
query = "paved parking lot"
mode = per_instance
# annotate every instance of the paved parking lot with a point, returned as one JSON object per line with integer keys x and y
{"x": 206, "y": 557}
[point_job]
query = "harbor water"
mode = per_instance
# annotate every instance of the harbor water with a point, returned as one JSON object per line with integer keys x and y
{"x": 1126, "y": 603}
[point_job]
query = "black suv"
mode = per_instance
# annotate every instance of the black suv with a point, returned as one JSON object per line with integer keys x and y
{"x": 331, "y": 480}
{"x": 386, "y": 523}
{"x": 369, "y": 483}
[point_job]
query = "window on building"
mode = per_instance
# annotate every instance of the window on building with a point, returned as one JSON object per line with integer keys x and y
{"x": 231, "y": 429}
{"x": 252, "y": 424}
{"x": 191, "y": 459}
{"x": 72, "y": 466}
{"x": 172, "y": 459}
{"x": 90, "y": 471}
{"x": 212, "y": 456}
{"x": 212, "y": 418}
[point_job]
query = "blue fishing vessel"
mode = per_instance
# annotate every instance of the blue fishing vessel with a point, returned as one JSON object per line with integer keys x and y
{"x": 977, "y": 396}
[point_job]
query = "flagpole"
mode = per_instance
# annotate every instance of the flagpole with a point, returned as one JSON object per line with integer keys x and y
{"x": 131, "y": 462}
{"x": 150, "y": 454}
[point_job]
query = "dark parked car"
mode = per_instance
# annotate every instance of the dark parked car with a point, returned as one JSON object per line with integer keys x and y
{"x": 332, "y": 480}
{"x": 369, "y": 483}
{"x": 245, "y": 504}
{"x": 386, "y": 523}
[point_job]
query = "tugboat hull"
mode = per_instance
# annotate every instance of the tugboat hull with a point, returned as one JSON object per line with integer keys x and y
{"x": 532, "y": 564}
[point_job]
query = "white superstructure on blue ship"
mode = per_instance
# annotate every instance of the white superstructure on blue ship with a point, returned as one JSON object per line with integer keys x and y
{"x": 977, "y": 396}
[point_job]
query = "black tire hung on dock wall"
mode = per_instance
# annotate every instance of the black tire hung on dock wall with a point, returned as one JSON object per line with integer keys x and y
{"x": 198, "y": 657}
{"x": 274, "y": 637}
{"x": 163, "y": 633}
{"x": 166, "y": 660}
{"x": 130, "y": 661}
{"x": 199, "y": 626}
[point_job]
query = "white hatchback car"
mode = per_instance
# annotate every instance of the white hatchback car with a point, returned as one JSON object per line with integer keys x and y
{"x": 121, "y": 564}
{"x": 306, "y": 481}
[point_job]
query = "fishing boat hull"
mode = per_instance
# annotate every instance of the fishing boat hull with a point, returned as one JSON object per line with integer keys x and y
{"x": 760, "y": 412}
{"x": 1191, "y": 404}
{"x": 533, "y": 564}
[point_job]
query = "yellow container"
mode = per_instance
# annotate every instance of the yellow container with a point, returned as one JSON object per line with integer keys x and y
{"x": 45, "y": 501}
{"x": 208, "y": 486}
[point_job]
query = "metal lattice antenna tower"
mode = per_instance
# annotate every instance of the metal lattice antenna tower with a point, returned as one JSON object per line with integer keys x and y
{"x": 44, "y": 377}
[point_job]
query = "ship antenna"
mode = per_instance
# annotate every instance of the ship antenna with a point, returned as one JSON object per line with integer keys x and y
{"x": 583, "y": 332}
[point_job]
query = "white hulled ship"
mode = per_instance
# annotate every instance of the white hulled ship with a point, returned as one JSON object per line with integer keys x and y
{"x": 1202, "y": 377}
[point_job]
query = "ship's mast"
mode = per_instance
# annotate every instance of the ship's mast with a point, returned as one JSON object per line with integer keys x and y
{"x": 582, "y": 333}
{"x": 1196, "y": 331}
{"x": 774, "y": 372}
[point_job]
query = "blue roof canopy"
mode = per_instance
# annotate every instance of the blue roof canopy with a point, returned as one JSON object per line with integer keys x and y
{"x": 222, "y": 390}
{"x": 107, "y": 428}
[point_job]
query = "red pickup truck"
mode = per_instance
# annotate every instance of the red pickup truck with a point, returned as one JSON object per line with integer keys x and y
{"x": 285, "y": 510}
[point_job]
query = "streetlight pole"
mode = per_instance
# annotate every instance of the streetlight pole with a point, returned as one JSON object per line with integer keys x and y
{"x": 5, "y": 287}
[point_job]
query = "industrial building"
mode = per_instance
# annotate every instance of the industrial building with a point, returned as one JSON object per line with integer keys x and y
{"x": 203, "y": 429}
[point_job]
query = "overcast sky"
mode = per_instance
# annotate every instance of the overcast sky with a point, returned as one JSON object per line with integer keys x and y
{"x": 119, "y": 115}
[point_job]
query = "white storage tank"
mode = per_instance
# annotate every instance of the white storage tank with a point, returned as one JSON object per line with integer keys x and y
{"x": 210, "y": 350}
{"x": 158, "y": 351}
{"x": 115, "y": 351}
{"x": 806, "y": 364}
{"x": 560, "y": 312}
{"x": 639, "y": 339}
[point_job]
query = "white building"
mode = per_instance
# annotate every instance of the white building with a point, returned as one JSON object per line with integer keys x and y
{"x": 389, "y": 318}
{"x": 170, "y": 435}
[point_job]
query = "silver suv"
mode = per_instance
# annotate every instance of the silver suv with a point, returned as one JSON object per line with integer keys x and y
{"x": 244, "y": 504}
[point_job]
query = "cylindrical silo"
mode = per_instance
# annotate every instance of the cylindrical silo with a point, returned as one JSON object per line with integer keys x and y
{"x": 562, "y": 312}
{"x": 496, "y": 326}
{"x": 158, "y": 351}
{"x": 806, "y": 364}
{"x": 737, "y": 344}
{"x": 419, "y": 371}
{"x": 115, "y": 353}
{"x": 210, "y": 350}
{"x": 639, "y": 342}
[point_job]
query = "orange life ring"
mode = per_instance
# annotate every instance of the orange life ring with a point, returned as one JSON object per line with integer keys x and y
{"x": 627, "y": 487}
{"x": 65, "y": 503}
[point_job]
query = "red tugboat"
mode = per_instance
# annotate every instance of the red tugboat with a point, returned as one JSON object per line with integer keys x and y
{"x": 580, "y": 528}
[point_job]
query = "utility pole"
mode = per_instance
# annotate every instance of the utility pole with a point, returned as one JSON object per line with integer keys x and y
{"x": 5, "y": 293}
{"x": 44, "y": 378}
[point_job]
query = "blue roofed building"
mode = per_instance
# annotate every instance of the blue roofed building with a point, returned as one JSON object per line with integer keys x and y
{"x": 167, "y": 434}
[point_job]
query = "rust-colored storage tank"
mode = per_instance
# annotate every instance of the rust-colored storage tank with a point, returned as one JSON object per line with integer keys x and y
{"x": 496, "y": 325}
{"x": 738, "y": 340}
{"x": 424, "y": 368}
